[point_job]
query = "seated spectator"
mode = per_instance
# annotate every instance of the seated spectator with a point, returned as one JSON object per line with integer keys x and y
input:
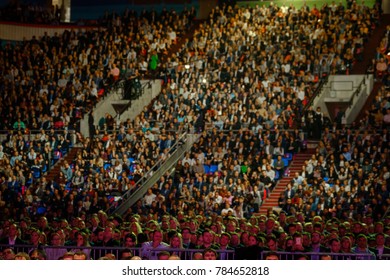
{"x": 54, "y": 253}
{"x": 156, "y": 243}
{"x": 380, "y": 248}
{"x": 381, "y": 68}
{"x": 210, "y": 254}
{"x": 362, "y": 248}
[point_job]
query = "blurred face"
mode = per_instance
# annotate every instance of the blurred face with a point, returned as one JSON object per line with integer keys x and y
{"x": 157, "y": 237}
{"x": 345, "y": 243}
{"x": 199, "y": 241}
{"x": 270, "y": 224}
{"x": 380, "y": 240}
{"x": 335, "y": 246}
{"x": 306, "y": 240}
{"x": 100, "y": 235}
{"x": 292, "y": 230}
{"x": 309, "y": 228}
{"x": 197, "y": 256}
{"x": 107, "y": 233}
{"x": 362, "y": 242}
{"x": 272, "y": 257}
{"x": 35, "y": 237}
{"x": 271, "y": 245}
{"x": 379, "y": 228}
{"x": 8, "y": 254}
{"x": 163, "y": 257}
{"x": 186, "y": 235}
{"x": 56, "y": 240}
{"x": 175, "y": 242}
{"x": 95, "y": 222}
{"x": 79, "y": 257}
{"x": 192, "y": 226}
{"x": 357, "y": 228}
{"x": 116, "y": 235}
{"x": 245, "y": 238}
{"x": 315, "y": 239}
{"x": 80, "y": 239}
{"x": 129, "y": 242}
{"x": 134, "y": 228}
{"x": 20, "y": 258}
{"x": 172, "y": 224}
{"x": 252, "y": 241}
{"x": 12, "y": 231}
{"x": 262, "y": 226}
{"x": 224, "y": 240}
{"x": 234, "y": 240}
{"x": 209, "y": 256}
{"x": 207, "y": 238}
{"x": 164, "y": 225}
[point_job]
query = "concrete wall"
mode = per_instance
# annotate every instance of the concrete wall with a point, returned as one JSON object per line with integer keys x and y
{"x": 100, "y": 110}
{"x": 341, "y": 88}
{"x": 386, "y": 6}
{"x": 138, "y": 105}
{"x": 358, "y": 102}
{"x": 205, "y": 7}
{"x": 115, "y": 97}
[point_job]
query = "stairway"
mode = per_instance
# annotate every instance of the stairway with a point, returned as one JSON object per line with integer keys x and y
{"x": 56, "y": 169}
{"x": 295, "y": 166}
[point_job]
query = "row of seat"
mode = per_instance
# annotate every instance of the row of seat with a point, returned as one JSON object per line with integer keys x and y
{"x": 212, "y": 168}
{"x": 38, "y": 172}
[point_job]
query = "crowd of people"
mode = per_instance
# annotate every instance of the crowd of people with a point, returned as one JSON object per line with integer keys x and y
{"x": 242, "y": 94}
{"x": 20, "y": 11}
{"x": 48, "y": 84}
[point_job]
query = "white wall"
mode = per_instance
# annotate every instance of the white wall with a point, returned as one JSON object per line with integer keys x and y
{"x": 144, "y": 100}
{"x": 105, "y": 105}
{"x": 340, "y": 89}
{"x": 358, "y": 103}
{"x": 386, "y": 6}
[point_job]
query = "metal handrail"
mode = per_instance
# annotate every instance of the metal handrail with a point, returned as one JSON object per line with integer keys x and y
{"x": 139, "y": 189}
{"x": 96, "y": 252}
{"x": 316, "y": 255}
{"x": 356, "y": 92}
{"x": 121, "y": 85}
{"x": 315, "y": 94}
{"x": 27, "y": 134}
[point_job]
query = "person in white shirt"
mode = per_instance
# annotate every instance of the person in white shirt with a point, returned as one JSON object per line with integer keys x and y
{"x": 156, "y": 243}
{"x": 225, "y": 211}
{"x": 149, "y": 197}
{"x": 270, "y": 172}
{"x": 188, "y": 159}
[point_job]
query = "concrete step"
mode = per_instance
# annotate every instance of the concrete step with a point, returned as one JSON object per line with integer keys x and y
{"x": 295, "y": 166}
{"x": 56, "y": 169}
